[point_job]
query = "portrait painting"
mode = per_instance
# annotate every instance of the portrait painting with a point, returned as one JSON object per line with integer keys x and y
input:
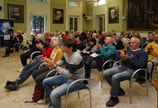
{"x": 16, "y": 13}
{"x": 58, "y": 16}
{"x": 113, "y": 14}
{"x": 142, "y": 14}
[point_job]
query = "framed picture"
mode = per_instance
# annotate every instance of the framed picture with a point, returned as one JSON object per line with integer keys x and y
{"x": 113, "y": 14}
{"x": 16, "y": 13}
{"x": 58, "y": 16}
{"x": 142, "y": 14}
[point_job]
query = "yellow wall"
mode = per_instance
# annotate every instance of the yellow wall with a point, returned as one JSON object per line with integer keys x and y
{"x": 38, "y": 9}
{"x": 88, "y": 10}
{"x": 59, "y": 4}
{"x": 1, "y": 12}
{"x": 115, "y": 26}
{"x": 17, "y": 26}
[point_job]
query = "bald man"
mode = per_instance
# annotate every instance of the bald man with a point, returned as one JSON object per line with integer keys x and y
{"x": 133, "y": 59}
{"x": 106, "y": 52}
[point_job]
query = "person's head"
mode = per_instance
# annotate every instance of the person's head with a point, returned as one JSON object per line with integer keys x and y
{"x": 58, "y": 13}
{"x": 150, "y": 36}
{"x": 94, "y": 35}
{"x": 38, "y": 37}
{"x": 16, "y": 10}
{"x": 156, "y": 38}
{"x": 108, "y": 40}
{"x": 19, "y": 32}
{"x": 136, "y": 34}
{"x": 55, "y": 41}
{"x": 135, "y": 43}
{"x": 113, "y": 12}
{"x": 69, "y": 45}
{"x": 126, "y": 35}
{"x": 92, "y": 41}
{"x": 117, "y": 37}
{"x": 79, "y": 38}
{"x": 104, "y": 34}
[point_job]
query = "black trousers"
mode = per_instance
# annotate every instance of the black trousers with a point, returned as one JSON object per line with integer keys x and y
{"x": 39, "y": 75}
{"x": 24, "y": 57}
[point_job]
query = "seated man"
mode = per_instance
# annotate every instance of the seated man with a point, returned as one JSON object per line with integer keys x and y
{"x": 107, "y": 52}
{"x": 32, "y": 48}
{"x": 134, "y": 58}
{"x": 152, "y": 51}
{"x": 15, "y": 39}
{"x": 74, "y": 69}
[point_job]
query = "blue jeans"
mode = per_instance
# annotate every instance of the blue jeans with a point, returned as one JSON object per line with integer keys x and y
{"x": 114, "y": 76}
{"x": 28, "y": 70}
{"x": 62, "y": 82}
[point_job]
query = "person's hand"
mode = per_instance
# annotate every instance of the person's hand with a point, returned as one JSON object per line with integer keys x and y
{"x": 85, "y": 52}
{"x": 50, "y": 64}
{"x": 43, "y": 59}
{"x": 150, "y": 49}
{"x": 124, "y": 57}
{"x": 99, "y": 46}
{"x": 29, "y": 42}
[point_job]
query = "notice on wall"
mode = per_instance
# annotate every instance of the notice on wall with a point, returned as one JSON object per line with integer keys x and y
{"x": 7, "y": 37}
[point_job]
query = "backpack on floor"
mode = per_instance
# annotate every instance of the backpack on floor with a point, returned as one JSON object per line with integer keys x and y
{"x": 37, "y": 94}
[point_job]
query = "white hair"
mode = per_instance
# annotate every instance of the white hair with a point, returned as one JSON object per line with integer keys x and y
{"x": 59, "y": 39}
{"x": 137, "y": 39}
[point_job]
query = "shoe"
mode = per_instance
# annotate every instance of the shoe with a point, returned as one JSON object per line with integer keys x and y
{"x": 11, "y": 85}
{"x": 20, "y": 69}
{"x": 112, "y": 101}
{"x": 41, "y": 101}
{"x": 140, "y": 81}
{"x": 5, "y": 56}
{"x": 85, "y": 82}
{"x": 121, "y": 92}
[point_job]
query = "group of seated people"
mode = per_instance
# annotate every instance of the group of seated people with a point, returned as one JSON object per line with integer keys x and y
{"x": 72, "y": 56}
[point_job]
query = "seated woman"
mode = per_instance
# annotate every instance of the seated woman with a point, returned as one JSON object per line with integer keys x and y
{"x": 26, "y": 72}
{"x": 80, "y": 44}
{"x": 40, "y": 74}
{"x": 91, "y": 48}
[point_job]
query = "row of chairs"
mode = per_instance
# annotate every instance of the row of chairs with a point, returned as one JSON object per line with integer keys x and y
{"x": 106, "y": 65}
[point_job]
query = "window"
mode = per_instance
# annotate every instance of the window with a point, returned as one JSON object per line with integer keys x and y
{"x": 101, "y": 23}
{"x": 38, "y": 0}
{"x": 74, "y": 3}
{"x": 73, "y": 23}
{"x": 38, "y": 24}
{"x": 100, "y": 2}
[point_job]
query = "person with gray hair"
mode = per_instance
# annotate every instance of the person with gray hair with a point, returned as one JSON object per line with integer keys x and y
{"x": 40, "y": 74}
{"x": 30, "y": 68}
{"x": 133, "y": 59}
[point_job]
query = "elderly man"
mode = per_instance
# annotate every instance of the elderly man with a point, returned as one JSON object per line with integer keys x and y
{"x": 106, "y": 52}
{"x": 134, "y": 58}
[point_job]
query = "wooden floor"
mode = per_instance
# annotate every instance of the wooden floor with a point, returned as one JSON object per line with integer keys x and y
{"x": 16, "y": 99}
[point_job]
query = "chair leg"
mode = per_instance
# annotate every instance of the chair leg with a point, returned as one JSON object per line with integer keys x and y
{"x": 130, "y": 84}
{"x": 66, "y": 100}
{"x": 100, "y": 77}
{"x": 90, "y": 96}
{"x": 45, "y": 98}
{"x": 78, "y": 92}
